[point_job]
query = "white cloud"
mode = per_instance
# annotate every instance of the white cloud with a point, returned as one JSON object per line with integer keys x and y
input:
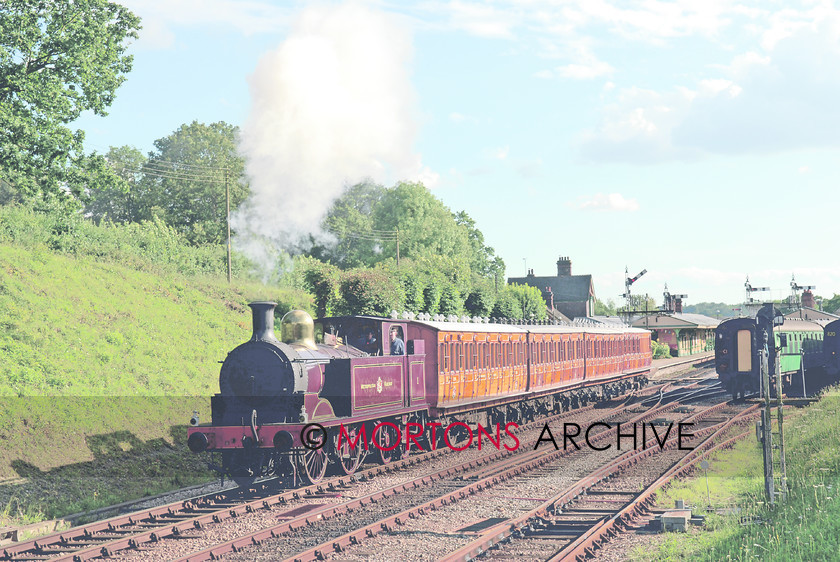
{"x": 761, "y": 102}
{"x": 586, "y": 70}
{"x": 804, "y": 170}
{"x": 714, "y": 277}
{"x": 637, "y": 128}
{"x": 649, "y": 21}
{"x": 478, "y": 18}
{"x": 247, "y": 17}
{"x": 607, "y": 202}
{"x": 461, "y": 118}
{"x": 528, "y": 168}
{"x": 501, "y": 153}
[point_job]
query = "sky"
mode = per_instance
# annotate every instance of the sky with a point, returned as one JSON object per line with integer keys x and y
{"x": 696, "y": 140}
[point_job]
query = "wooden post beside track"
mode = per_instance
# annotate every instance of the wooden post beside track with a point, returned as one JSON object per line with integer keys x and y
{"x": 766, "y": 429}
{"x": 227, "y": 205}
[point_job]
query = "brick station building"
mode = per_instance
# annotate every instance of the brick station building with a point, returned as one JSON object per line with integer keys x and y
{"x": 571, "y": 295}
{"x": 685, "y": 334}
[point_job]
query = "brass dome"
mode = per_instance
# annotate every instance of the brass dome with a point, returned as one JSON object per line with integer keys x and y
{"x": 297, "y": 328}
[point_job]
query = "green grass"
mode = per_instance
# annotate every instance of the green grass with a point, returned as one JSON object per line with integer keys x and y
{"x": 805, "y": 527}
{"x": 107, "y": 346}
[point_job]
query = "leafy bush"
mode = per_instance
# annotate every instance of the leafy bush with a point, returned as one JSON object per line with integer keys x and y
{"x": 150, "y": 245}
{"x": 480, "y": 299}
{"x": 369, "y": 292}
{"x": 660, "y": 350}
{"x": 323, "y": 281}
{"x": 451, "y": 301}
{"x": 520, "y": 301}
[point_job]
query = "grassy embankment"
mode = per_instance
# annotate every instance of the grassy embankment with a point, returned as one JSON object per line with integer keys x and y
{"x": 110, "y": 337}
{"x": 805, "y": 527}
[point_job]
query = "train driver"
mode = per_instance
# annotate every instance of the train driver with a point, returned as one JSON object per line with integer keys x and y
{"x": 397, "y": 345}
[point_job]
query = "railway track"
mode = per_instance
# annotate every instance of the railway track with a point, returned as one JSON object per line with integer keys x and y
{"x": 185, "y": 518}
{"x": 576, "y": 521}
{"x": 327, "y": 533}
{"x": 140, "y": 534}
{"x": 409, "y": 535}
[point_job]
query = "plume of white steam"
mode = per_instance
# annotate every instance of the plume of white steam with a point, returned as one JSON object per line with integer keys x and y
{"x": 331, "y": 106}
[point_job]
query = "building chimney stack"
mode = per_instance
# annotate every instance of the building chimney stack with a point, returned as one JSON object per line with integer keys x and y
{"x": 564, "y": 267}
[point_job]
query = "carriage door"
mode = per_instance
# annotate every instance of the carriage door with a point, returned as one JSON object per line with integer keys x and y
{"x": 744, "y": 353}
{"x": 398, "y": 360}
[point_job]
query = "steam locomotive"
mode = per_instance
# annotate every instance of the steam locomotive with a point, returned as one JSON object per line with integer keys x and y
{"x": 312, "y": 400}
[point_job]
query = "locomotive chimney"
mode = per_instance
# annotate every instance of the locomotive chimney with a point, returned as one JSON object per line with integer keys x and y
{"x": 263, "y": 316}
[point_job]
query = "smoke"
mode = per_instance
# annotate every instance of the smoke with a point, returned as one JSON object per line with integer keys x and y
{"x": 331, "y": 106}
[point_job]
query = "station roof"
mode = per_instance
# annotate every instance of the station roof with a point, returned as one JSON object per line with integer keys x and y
{"x": 675, "y": 320}
{"x": 566, "y": 288}
{"x": 806, "y": 313}
{"x": 608, "y": 320}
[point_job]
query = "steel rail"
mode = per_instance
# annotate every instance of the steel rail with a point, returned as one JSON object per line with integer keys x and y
{"x": 502, "y": 531}
{"x": 593, "y": 539}
{"x": 79, "y": 537}
{"x": 533, "y": 461}
{"x": 87, "y": 534}
{"x": 338, "y": 544}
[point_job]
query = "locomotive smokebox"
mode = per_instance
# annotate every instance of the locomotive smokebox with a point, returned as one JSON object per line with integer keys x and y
{"x": 262, "y": 313}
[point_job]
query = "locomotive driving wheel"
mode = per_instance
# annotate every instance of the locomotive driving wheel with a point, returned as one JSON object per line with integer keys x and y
{"x": 313, "y": 459}
{"x": 348, "y": 458}
{"x": 387, "y": 446}
{"x": 314, "y": 464}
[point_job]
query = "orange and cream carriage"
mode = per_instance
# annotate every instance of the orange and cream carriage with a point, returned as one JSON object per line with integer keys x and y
{"x": 328, "y": 393}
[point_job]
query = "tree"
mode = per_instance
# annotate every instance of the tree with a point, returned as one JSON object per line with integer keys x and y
{"x": 520, "y": 301}
{"x": 184, "y": 180}
{"x": 484, "y": 261}
{"x": 369, "y": 292}
{"x": 451, "y": 301}
{"x": 831, "y": 305}
{"x": 427, "y": 227}
{"x": 640, "y": 303}
{"x": 481, "y": 298}
{"x": 120, "y": 200}
{"x": 350, "y": 221}
{"x": 322, "y": 280}
{"x": 604, "y": 309}
{"x": 57, "y": 59}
